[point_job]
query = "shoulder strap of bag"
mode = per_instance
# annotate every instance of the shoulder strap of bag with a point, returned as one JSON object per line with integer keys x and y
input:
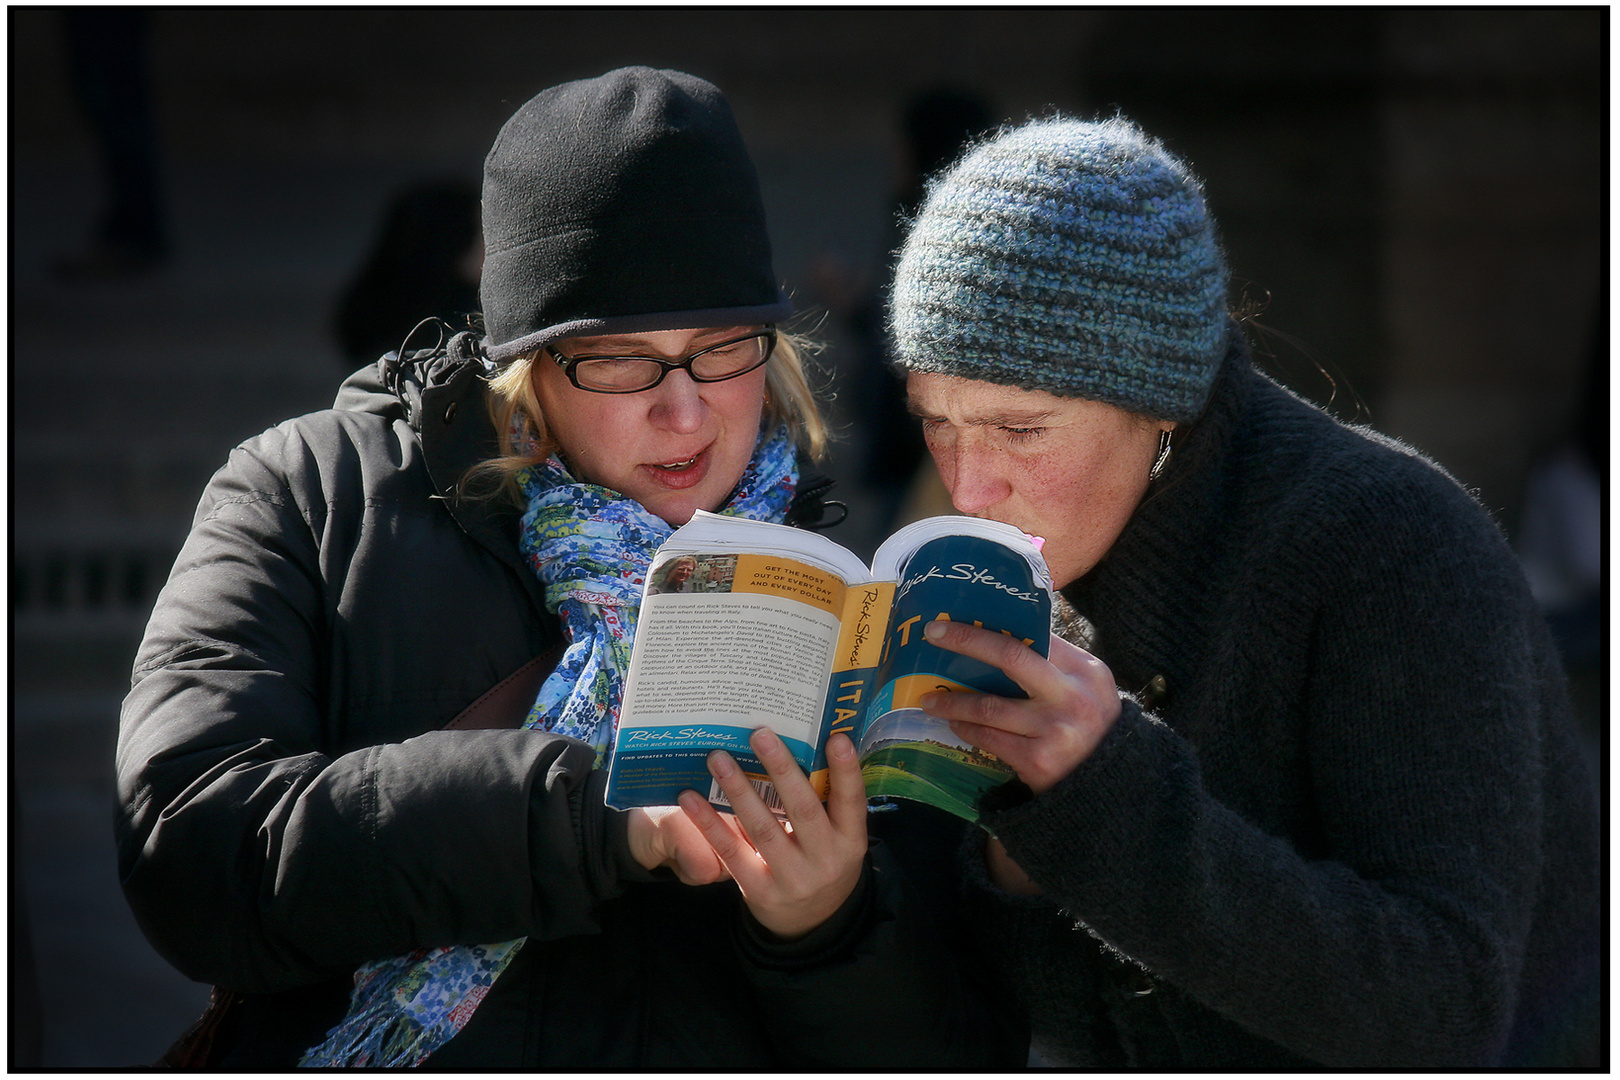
{"x": 507, "y": 703}
{"x": 201, "y": 1045}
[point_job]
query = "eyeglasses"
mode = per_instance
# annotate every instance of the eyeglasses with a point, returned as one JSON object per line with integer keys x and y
{"x": 632, "y": 374}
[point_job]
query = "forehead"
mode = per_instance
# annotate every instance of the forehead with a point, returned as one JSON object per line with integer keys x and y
{"x": 967, "y": 401}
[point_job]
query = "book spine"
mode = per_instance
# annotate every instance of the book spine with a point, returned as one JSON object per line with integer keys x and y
{"x": 864, "y": 626}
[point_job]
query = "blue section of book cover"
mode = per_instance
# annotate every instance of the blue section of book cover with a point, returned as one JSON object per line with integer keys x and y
{"x": 964, "y": 578}
{"x": 652, "y": 766}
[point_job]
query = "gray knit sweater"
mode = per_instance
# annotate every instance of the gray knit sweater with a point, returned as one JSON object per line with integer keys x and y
{"x": 1343, "y": 819}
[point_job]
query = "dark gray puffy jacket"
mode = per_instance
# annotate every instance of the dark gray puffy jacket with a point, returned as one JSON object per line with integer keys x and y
{"x": 290, "y": 808}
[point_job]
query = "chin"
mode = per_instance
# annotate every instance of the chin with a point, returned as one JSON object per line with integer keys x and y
{"x": 677, "y": 514}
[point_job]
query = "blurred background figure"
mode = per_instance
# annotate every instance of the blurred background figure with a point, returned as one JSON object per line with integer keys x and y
{"x": 1560, "y": 536}
{"x": 935, "y": 125}
{"x": 107, "y": 66}
{"x": 425, "y": 261}
{"x": 1561, "y": 527}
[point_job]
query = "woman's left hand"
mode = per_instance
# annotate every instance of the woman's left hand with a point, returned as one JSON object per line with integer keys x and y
{"x": 662, "y": 836}
{"x": 1071, "y": 705}
{"x": 792, "y": 880}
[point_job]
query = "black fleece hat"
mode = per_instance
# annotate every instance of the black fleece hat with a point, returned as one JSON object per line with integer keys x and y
{"x": 622, "y": 204}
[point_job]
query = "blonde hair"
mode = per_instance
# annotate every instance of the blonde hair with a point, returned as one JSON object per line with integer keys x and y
{"x": 788, "y": 400}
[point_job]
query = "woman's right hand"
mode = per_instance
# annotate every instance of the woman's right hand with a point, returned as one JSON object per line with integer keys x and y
{"x": 664, "y": 836}
{"x": 792, "y": 878}
{"x": 1072, "y": 702}
{"x": 1008, "y": 875}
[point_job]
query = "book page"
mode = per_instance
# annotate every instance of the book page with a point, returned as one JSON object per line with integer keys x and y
{"x": 726, "y": 642}
{"x": 739, "y": 657}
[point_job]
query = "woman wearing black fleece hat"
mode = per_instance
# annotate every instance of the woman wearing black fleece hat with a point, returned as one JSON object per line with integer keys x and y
{"x": 296, "y": 822}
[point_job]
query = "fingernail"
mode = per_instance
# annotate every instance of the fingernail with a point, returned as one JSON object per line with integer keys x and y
{"x": 767, "y": 739}
{"x": 927, "y": 702}
{"x": 721, "y": 765}
{"x": 934, "y": 630}
{"x": 840, "y": 747}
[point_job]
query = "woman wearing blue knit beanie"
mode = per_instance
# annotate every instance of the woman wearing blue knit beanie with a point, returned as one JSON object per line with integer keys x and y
{"x": 362, "y": 763}
{"x": 1299, "y": 785}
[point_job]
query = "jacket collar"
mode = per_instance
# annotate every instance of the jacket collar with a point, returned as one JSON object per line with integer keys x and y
{"x": 440, "y": 394}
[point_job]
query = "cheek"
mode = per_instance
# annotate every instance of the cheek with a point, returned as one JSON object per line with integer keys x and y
{"x": 569, "y": 423}
{"x": 940, "y": 450}
{"x": 584, "y": 426}
{"x": 740, "y": 401}
{"x": 737, "y": 411}
{"x": 614, "y": 434}
{"x": 1084, "y": 505}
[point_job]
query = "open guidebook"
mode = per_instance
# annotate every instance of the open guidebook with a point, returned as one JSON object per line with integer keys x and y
{"x": 746, "y": 624}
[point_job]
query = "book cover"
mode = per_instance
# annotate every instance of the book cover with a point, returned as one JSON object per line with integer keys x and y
{"x": 746, "y": 624}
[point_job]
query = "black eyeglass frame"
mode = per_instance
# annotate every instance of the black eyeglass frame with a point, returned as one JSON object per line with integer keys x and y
{"x": 570, "y": 363}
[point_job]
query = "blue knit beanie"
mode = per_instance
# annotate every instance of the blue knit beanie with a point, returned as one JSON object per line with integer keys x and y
{"x": 1071, "y": 257}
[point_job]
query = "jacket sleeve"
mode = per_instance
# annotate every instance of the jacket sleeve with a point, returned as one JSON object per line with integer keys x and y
{"x": 262, "y": 844}
{"x": 1392, "y": 933}
{"x": 884, "y": 984}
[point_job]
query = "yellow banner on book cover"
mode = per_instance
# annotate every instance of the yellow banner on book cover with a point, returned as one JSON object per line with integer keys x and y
{"x": 909, "y": 689}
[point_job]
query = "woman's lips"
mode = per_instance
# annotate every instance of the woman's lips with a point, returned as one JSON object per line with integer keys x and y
{"x": 682, "y": 473}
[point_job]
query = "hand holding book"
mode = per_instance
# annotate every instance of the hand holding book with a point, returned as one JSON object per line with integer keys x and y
{"x": 792, "y": 881}
{"x": 1070, "y": 703}
{"x": 663, "y": 836}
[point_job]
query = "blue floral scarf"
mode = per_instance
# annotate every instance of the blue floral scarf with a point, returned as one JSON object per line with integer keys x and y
{"x": 592, "y": 548}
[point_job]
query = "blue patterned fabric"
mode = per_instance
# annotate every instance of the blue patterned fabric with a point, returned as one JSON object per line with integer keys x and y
{"x": 592, "y": 548}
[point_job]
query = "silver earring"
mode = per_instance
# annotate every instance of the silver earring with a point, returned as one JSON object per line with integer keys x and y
{"x": 1162, "y": 456}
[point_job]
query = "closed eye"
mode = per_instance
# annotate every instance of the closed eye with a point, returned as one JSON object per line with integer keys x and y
{"x": 1022, "y": 434}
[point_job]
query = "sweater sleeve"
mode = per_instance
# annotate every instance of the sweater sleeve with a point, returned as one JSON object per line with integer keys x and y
{"x": 1391, "y": 932}
{"x": 263, "y": 844}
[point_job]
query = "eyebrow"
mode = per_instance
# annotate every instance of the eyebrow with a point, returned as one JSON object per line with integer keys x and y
{"x": 1024, "y": 418}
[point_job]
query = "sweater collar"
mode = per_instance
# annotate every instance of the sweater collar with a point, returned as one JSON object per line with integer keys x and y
{"x": 1151, "y": 590}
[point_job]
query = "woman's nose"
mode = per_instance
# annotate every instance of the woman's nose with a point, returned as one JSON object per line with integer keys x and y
{"x": 679, "y": 404}
{"x": 973, "y": 478}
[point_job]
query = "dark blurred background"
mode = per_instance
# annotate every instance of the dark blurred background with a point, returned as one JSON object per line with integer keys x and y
{"x": 211, "y": 209}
